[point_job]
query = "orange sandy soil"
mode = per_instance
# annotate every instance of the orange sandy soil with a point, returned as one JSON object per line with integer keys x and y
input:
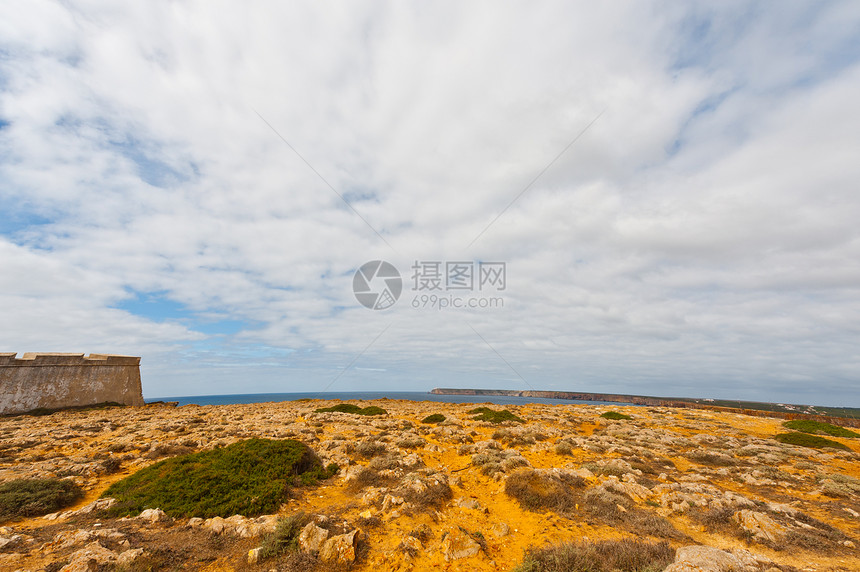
{"x": 73, "y": 444}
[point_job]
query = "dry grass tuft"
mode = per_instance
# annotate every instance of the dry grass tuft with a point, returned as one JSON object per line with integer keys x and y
{"x": 606, "y": 556}
{"x": 536, "y": 491}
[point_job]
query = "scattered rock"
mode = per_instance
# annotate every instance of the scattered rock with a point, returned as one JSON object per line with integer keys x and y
{"x": 704, "y": 559}
{"x": 312, "y": 537}
{"x": 457, "y": 544}
{"x": 339, "y": 549}
{"x": 254, "y": 555}
{"x": 153, "y": 515}
{"x": 469, "y": 503}
{"x": 96, "y": 505}
{"x": 128, "y": 557}
{"x": 760, "y": 525}
{"x": 89, "y": 558}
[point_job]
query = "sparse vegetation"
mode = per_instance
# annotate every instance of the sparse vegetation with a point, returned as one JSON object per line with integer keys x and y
{"x": 708, "y": 458}
{"x": 493, "y": 416}
{"x": 492, "y": 461}
{"x": 353, "y": 409}
{"x": 370, "y": 448}
{"x": 410, "y": 441}
{"x": 605, "y": 556}
{"x": 285, "y": 537}
{"x": 837, "y": 485}
{"x": 249, "y": 477}
{"x": 818, "y": 427}
{"x": 536, "y": 490}
{"x": 807, "y": 440}
{"x": 614, "y": 415}
{"x": 434, "y": 418}
{"x": 35, "y": 497}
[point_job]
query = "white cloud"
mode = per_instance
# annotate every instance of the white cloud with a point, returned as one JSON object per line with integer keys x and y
{"x": 699, "y": 238}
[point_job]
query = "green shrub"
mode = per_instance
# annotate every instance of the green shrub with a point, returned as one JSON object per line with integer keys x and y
{"x": 434, "y": 418}
{"x": 604, "y": 556}
{"x": 493, "y": 416}
{"x": 615, "y": 415}
{"x": 809, "y": 426}
{"x": 354, "y": 409}
{"x": 250, "y": 477}
{"x": 807, "y": 440}
{"x": 35, "y": 497}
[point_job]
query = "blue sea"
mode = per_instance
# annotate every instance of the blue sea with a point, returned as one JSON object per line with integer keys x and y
{"x": 368, "y": 395}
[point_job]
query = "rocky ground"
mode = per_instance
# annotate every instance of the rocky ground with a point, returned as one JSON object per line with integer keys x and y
{"x": 459, "y": 495}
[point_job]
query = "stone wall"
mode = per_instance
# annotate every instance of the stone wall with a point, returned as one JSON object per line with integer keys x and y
{"x": 52, "y": 381}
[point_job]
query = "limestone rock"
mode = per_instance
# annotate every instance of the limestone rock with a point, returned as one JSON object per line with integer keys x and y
{"x": 216, "y": 525}
{"x": 391, "y": 500}
{"x": 312, "y": 537}
{"x": 457, "y": 544}
{"x": 69, "y": 538}
{"x": 96, "y": 505}
{"x": 469, "y": 503}
{"x": 127, "y": 557}
{"x": 339, "y": 549}
{"x": 153, "y": 515}
{"x": 704, "y": 559}
{"x": 254, "y": 555}
{"x": 89, "y": 558}
{"x": 760, "y": 525}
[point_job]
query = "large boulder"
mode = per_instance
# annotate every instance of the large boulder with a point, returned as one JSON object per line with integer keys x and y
{"x": 311, "y": 537}
{"x": 339, "y": 549}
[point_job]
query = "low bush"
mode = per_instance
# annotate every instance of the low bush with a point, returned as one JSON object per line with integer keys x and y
{"x": 707, "y": 458}
{"x": 618, "y": 510}
{"x": 434, "y": 418}
{"x": 492, "y": 461}
{"x": 35, "y": 497}
{"x": 604, "y": 556}
{"x": 615, "y": 416}
{"x": 353, "y": 409}
{"x": 285, "y": 537}
{"x": 370, "y": 448}
{"x": 809, "y": 426}
{"x": 564, "y": 447}
{"x": 493, "y": 416}
{"x": 837, "y": 485}
{"x": 538, "y": 491}
{"x": 250, "y": 477}
{"x": 807, "y": 440}
{"x": 433, "y": 494}
{"x": 410, "y": 441}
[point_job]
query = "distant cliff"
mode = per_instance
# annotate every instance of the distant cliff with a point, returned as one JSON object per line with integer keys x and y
{"x": 579, "y": 396}
{"x": 55, "y": 381}
{"x": 846, "y": 416}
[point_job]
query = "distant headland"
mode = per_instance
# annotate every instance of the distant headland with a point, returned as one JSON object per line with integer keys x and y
{"x": 846, "y": 415}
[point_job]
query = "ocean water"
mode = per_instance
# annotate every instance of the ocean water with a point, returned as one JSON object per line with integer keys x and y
{"x": 368, "y": 395}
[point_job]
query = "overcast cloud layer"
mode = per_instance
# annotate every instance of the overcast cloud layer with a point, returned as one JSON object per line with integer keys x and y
{"x": 700, "y": 238}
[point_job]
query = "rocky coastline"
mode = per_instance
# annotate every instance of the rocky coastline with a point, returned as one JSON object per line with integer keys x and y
{"x": 463, "y": 493}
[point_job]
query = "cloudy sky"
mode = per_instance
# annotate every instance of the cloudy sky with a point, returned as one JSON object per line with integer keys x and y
{"x": 672, "y": 188}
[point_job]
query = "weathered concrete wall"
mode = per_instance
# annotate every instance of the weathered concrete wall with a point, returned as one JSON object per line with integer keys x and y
{"x": 66, "y": 380}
